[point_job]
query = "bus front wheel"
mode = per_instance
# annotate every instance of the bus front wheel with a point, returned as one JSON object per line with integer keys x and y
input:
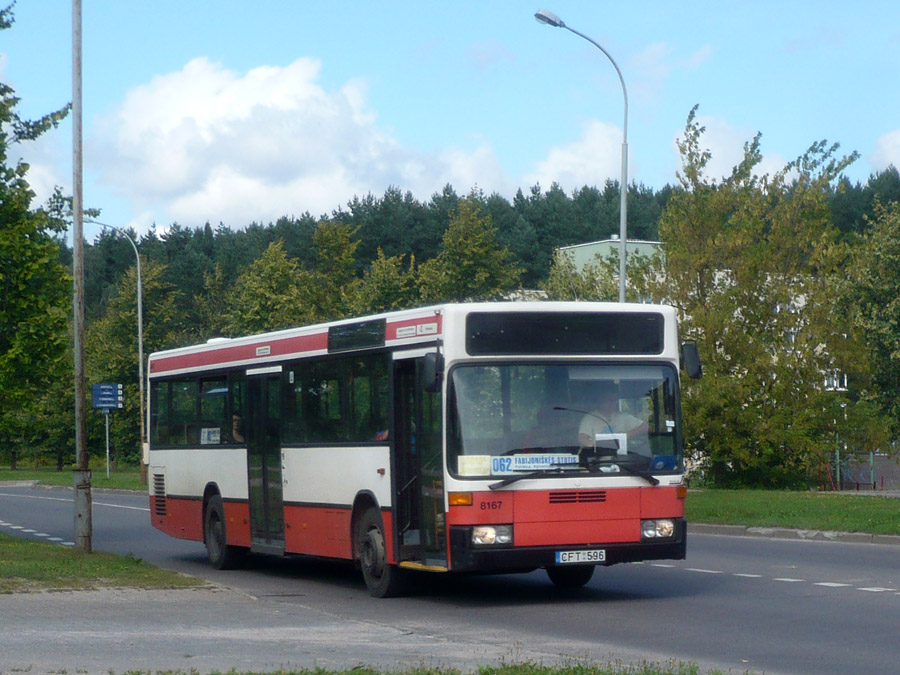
{"x": 221, "y": 555}
{"x": 382, "y": 579}
{"x": 575, "y": 576}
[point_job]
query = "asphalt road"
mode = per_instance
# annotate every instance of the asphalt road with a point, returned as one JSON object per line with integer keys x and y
{"x": 737, "y": 603}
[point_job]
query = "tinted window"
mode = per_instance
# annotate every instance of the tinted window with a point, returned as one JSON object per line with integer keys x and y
{"x": 338, "y": 401}
{"x": 564, "y": 333}
{"x": 193, "y": 411}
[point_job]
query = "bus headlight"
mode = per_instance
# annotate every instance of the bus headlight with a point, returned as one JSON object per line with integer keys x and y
{"x": 657, "y": 529}
{"x": 491, "y": 535}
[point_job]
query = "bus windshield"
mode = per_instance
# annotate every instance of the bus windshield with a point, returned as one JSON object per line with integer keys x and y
{"x": 557, "y": 417}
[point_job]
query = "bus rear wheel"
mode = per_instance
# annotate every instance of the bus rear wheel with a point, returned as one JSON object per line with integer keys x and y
{"x": 382, "y": 579}
{"x": 574, "y": 576}
{"x": 221, "y": 555}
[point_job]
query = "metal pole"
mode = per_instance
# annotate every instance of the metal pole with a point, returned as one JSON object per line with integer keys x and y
{"x": 106, "y": 415}
{"x": 623, "y": 186}
{"x": 83, "y": 519}
{"x": 140, "y": 332}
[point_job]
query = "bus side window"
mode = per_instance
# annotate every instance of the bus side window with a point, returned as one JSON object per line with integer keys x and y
{"x": 184, "y": 429}
{"x": 159, "y": 405}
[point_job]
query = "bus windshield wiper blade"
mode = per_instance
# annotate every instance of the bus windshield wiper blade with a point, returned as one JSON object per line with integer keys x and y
{"x": 560, "y": 468}
{"x": 623, "y": 466}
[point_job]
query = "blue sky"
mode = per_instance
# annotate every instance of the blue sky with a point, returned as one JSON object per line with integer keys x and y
{"x": 233, "y": 112}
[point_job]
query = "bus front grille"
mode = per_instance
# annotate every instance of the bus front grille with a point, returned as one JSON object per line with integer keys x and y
{"x": 578, "y": 497}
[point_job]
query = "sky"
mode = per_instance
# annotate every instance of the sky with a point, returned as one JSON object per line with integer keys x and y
{"x": 234, "y": 112}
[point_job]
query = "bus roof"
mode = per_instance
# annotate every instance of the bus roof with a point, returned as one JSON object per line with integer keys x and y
{"x": 422, "y": 325}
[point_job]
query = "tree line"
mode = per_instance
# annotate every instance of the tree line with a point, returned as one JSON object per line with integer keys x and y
{"x": 789, "y": 283}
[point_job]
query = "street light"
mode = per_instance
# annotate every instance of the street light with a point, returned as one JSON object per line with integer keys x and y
{"x": 549, "y": 18}
{"x": 140, "y": 328}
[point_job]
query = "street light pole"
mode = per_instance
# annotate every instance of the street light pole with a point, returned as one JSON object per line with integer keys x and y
{"x": 140, "y": 332}
{"x": 549, "y": 18}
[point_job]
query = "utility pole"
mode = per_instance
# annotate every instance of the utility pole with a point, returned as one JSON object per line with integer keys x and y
{"x": 82, "y": 475}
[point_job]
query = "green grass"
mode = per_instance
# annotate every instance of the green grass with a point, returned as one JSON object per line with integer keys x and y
{"x": 127, "y": 479}
{"x": 831, "y": 511}
{"x": 28, "y": 566}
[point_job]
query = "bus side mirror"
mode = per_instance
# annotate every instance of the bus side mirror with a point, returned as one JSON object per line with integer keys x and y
{"x": 433, "y": 371}
{"x": 690, "y": 360}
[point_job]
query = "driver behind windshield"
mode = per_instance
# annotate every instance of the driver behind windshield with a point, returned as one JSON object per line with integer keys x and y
{"x": 606, "y": 418}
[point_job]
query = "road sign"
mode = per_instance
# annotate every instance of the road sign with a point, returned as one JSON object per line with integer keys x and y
{"x": 107, "y": 396}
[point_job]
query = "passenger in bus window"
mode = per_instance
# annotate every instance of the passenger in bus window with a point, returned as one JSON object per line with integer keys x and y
{"x": 237, "y": 429}
{"x": 606, "y": 418}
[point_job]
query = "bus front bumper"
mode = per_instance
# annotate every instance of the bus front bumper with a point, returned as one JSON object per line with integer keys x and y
{"x": 467, "y": 557}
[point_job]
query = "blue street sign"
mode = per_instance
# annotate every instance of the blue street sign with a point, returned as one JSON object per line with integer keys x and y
{"x": 107, "y": 396}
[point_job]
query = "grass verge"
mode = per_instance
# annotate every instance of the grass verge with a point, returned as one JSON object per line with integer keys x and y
{"x": 29, "y": 566}
{"x": 829, "y": 511}
{"x": 128, "y": 479}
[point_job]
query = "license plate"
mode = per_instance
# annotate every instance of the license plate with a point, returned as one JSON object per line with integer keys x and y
{"x": 594, "y": 556}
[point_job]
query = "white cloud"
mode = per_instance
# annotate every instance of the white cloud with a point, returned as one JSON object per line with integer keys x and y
{"x": 591, "y": 160}
{"x": 887, "y": 151}
{"x": 42, "y": 156}
{"x": 655, "y": 64}
{"x": 208, "y": 144}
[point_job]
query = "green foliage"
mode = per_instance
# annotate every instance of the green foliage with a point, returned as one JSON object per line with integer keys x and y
{"x": 872, "y": 292}
{"x": 34, "y": 286}
{"x": 751, "y": 263}
{"x": 470, "y": 265}
{"x": 267, "y": 295}
{"x": 386, "y": 286}
{"x": 596, "y": 281}
{"x": 111, "y": 351}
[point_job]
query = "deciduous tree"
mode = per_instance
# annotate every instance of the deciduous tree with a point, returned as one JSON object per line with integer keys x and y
{"x": 34, "y": 286}
{"x": 750, "y": 263}
{"x": 470, "y": 266}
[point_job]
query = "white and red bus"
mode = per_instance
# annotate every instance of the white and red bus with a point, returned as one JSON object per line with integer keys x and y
{"x": 454, "y": 438}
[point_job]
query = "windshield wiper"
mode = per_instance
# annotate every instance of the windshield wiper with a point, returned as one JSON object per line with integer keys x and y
{"x": 531, "y": 474}
{"x": 595, "y": 469}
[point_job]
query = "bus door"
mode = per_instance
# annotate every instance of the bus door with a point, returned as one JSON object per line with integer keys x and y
{"x": 421, "y": 530}
{"x": 263, "y": 426}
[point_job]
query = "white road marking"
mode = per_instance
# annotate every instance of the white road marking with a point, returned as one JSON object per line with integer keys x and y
{"x": 64, "y": 499}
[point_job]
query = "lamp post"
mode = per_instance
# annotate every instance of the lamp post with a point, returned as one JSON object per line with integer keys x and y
{"x": 549, "y": 18}
{"x": 140, "y": 332}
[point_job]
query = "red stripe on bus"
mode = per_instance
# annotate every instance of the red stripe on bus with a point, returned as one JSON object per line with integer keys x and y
{"x": 227, "y": 354}
{"x": 392, "y": 328}
{"x": 247, "y": 352}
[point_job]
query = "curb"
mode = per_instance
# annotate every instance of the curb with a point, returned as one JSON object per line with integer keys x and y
{"x": 785, "y": 533}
